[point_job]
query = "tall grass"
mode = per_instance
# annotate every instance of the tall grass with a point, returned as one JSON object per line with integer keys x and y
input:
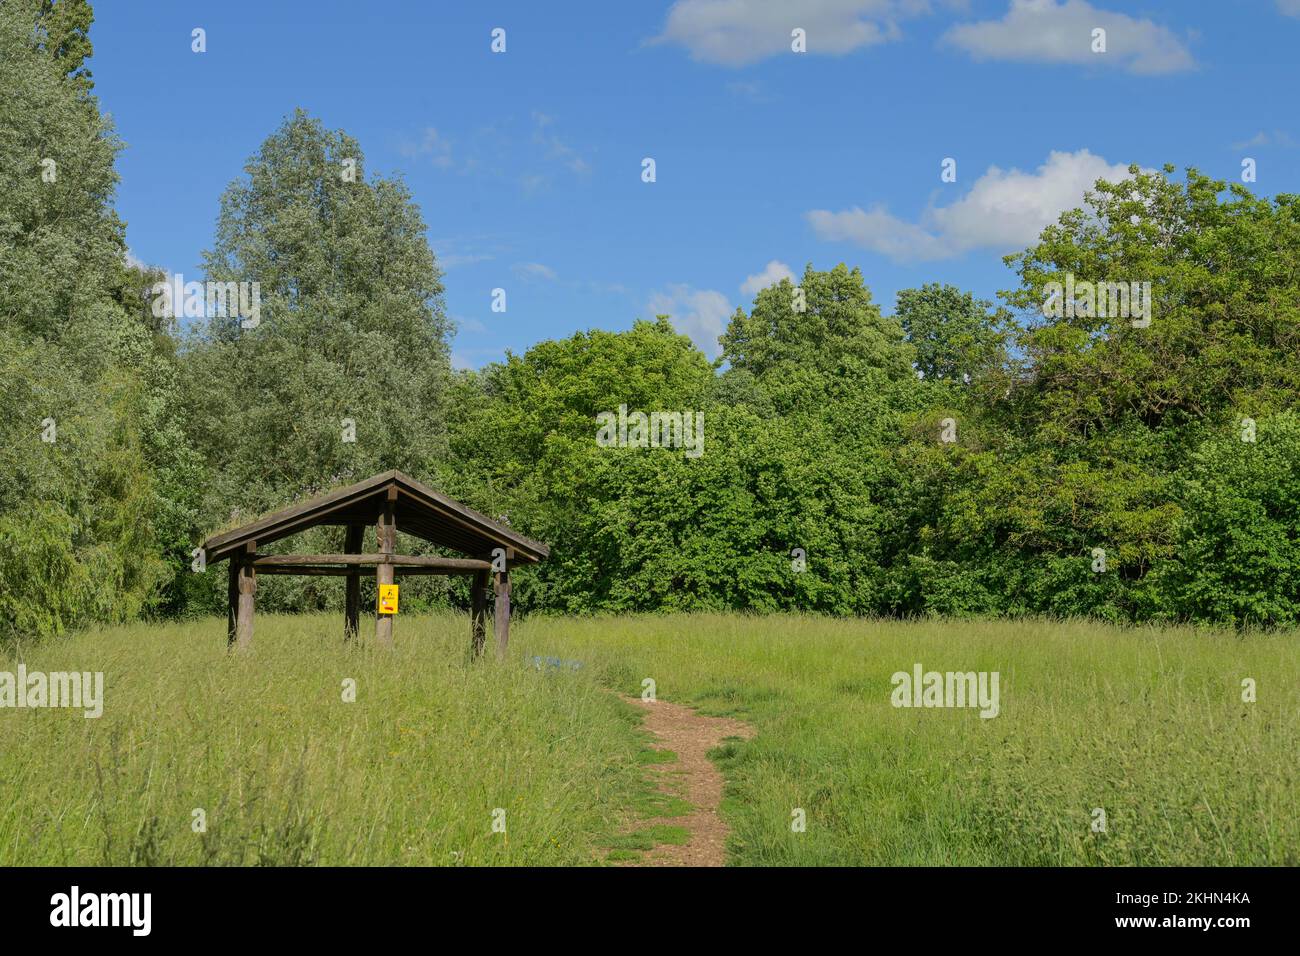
{"x": 286, "y": 772}
{"x": 1147, "y": 725}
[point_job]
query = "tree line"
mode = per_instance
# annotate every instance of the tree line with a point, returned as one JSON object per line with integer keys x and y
{"x": 954, "y": 458}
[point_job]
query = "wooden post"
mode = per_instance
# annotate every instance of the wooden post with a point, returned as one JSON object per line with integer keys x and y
{"x": 232, "y": 600}
{"x": 501, "y": 584}
{"x": 478, "y": 610}
{"x": 247, "y": 589}
{"x": 387, "y": 534}
{"x": 352, "y": 598}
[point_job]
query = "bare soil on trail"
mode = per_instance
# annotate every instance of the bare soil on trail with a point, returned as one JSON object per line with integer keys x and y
{"x": 690, "y": 736}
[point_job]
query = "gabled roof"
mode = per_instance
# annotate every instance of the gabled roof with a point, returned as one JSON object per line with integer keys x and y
{"x": 418, "y": 509}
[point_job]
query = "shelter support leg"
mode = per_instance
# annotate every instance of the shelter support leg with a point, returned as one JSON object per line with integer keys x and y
{"x": 352, "y": 597}
{"x": 387, "y": 535}
{"x": 244, "y": 577}
{"x": 478, "y": 611}
{"x": 501, "y": 584}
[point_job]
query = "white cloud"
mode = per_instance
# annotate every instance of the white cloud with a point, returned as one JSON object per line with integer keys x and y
{"x": 458, "y": 251}
{"x": 556, "y": 148}
{"x": 749, "y": 89}
{"x": 772, "y": 273}
{"x": 432, "y": 145}
{"x": 601, "y": 287}
{"x": 1289, "y": 8}
{"x": 1262, "y": 138}
{"x": 737, "y": 32}
{"x": 534, "y": 270}
{"x": 473, "y": 326}
{"x": 1004, "y": 210}
{"x": 701, "y": 314}
{"x": 1009, "y": 209}
{"x": 879, "y": 231}
{"x": 455, "y": 261}
{"x": 1049, "y": 31}
{"x": 1259, "y": 139}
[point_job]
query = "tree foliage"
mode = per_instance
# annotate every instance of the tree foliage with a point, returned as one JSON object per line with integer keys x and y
{"x": 351, "y": 336}
{"x": 953, "y": 458}
{"x": 78, "y": 500}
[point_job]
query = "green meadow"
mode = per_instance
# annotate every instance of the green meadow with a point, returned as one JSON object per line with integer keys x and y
{"x": 441, "y": 760}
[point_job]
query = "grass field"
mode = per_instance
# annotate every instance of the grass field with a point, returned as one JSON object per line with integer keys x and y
{"x": 1148, "y": 725}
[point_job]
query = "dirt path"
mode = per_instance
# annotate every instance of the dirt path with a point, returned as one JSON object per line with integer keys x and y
{"x": 691, "y": 736}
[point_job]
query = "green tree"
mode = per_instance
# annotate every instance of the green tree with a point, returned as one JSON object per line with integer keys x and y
{"x": 63, "y": 27}
{"x": 1090, "y": 448}
{"x": 1225, "y": 305}
{"x": 1238, "y": 555}
{"x": 827, "y": 330}
{"x": 77, "y": 495}
{"x": 344, "y": 371}
{"x": 351, "y": 338}
{"x": 954, "y": 334}
{"x": 523, "y": 441}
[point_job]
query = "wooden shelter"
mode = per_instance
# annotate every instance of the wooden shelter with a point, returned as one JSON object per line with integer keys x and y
{"x": 391, "y": 502}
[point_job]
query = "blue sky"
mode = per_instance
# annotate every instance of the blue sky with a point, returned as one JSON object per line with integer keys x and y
{"x": 527, "y": 164}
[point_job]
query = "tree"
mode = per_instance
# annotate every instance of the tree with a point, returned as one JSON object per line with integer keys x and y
{"x": 523, "y": 441}
{"x": 63, "y": 27}
{"x": 77, "y": 497}
{"x": 953, "y": 333}
{"x": 1224, "y": 302}
{"x": 1238, "y": 554}
{"x": 61, "y": 242}
{"x": 343, "y": 373}
{"x": 827, "y": 323}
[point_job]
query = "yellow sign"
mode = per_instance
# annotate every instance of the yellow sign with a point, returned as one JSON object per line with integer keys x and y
{"x": 388, "y": 599}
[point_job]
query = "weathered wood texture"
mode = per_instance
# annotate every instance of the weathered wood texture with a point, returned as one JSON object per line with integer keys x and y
{"x": 501, "y": 621}
{"x": 420, "y": 511}
{"x": 390, "y": 501}
{"x": 434, "y": 562}
{"x": 386, "y": 534}
{"x": 246, "y": 588}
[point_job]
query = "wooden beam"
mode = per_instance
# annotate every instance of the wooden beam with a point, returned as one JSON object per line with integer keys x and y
{"x": 284, "y": 523}
{"x": 434, "y": 563}
{"x": 307, "y": 570}
{"x": 362, "y": 501}
{"x": 232, "y": 600}
{"x": 472, "y": 522}
{"x": 478, "y": 611}
{"x": 345, "y": 561}
{"x": 340, "y": 571}
{"x": 386, "y": 533}
{"x": 402, "y": 570}
{"x": 501, "y": 619}
{"x": 352, "y": 596}
{"x": 247, "y": 586}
